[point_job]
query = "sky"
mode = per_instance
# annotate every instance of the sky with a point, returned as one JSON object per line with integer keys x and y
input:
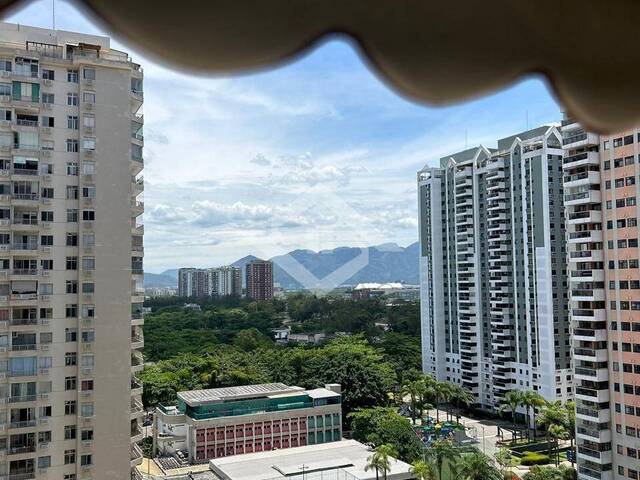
{"x": 315, "y": 154}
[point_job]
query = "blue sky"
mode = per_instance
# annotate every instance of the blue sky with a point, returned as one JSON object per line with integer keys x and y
{"x": 315, "y": 154}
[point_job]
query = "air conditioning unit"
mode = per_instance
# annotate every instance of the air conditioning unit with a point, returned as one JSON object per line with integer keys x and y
{"x": 46, "y": 130}
{"x": 46, "y": 201}
{"x": 44, "y": 371}
{"x": 48, "y": 82}
{"x": 88, "y": 153}
{"x": 4, "y": 73}
{"x": 43, "y": 446}
{"x": 44, "y": 420}
{"x": 5, "y": 98}
{"x": 3, "y": 349}
{"x": 5, "y": 198}
{"x": 87, "y": 296}
{"x": 47, "y": 153}
{"x": 45, "y": 298}
{"x": 47, "y": 106}
{"x": 88, "y": 130}
{"x": 87, "y": 371}
{"x": 5, "y": 148}
{"x": 5, "y": 123}
{"x": 88, "y": 81}
{"x": 88, "y": 106}
{"x": 45, "y": 249}
{"x": 45, "y": 321}
{"x": 5, "y": 221}
{"x": 44, "y": 347}
{"x": 45, "y": 273}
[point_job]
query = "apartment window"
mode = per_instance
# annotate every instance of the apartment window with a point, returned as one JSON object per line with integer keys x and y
{"x": 88, "y": 263}
{"x": 88, "y": 287}
{"x": 46, "y": 337}
{"x": 72, "y": 76}
{"x": 88, "y": 336}
{"x": 44, "y": 462}
{"x": 71, "y": 310}
{"x": 86, "y": 460}
{"x": 5, "y": 89}
{"x": 5, "y": 65}
{"x": 47, "y": 192}
{"x": 70, "y": 383}
{"x": 89, "y": 143}
{"x": 617, "y": 142}
{"x": 629, "y": 160}
{"x": 88, "y": 168}
{"x": 86, "y": 385}
{"x": 88, "y": 239}
{"x": 72, "y": 122}
{"x": 628, "y": 140}
{"x": 88, "y": 311}
{"x": 47, "y": 145}
{"x": 69, "y": 457}
{"x": 72, "y": 286}
{"x": 86, "y": 410}
{"x": 46, "y": 312}
{"x": 70, "y": 407}
{"x": 89, "y": 192}
{"x": 70, "y": 359}
{"x": 72, "y": 215}
{"x": 46, "y": 240}
{"x": 89, "y": 97}
{"x": 89, "y": 120}
{"x": 69, "y": 476}
{"x": 48, "y": 121}
{"x": 606, "y": 145}
{"x": 44, "y": 437}
{"x": 72, "y": 99}
{"x": 72, "y": 239}
{"x": 48, "y": 74}
{"x": 45, "y": 411}
{"x": 72, "y": 169}
{"x": 71, "y": 334}
{"x": 72, "y": 263}
{"x": 47, "y": 169}
{"x": 72, "y": 192}
{"x": 69, "y": 432}
{"x": 46, "y": 216}
{"x": 89, "y": 73}
{"x": 72, "y": 145}
{"x": 49, "y": 98}
{"x": 86, "y": 435}
{"x": 46, "y": 288}
{"x": 88, "y": 215}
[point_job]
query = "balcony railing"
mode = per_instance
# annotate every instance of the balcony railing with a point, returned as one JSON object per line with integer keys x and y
{"x": 26, "y": 123}
{"x": 22, "y": 449}
{"x": 574, "y": 138}
{"x": 24, "y": 246}
{"x": 23, "y": 398}
{"x": 23, "y": 321}
{"x": 25, "y": 347}
{"x": 25, "y": 196}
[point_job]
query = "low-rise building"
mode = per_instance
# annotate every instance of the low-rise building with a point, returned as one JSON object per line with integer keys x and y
{"x": 221, "y": 422}
{"x": 392, "y": 290}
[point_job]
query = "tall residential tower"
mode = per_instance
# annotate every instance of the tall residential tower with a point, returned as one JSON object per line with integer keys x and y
{"x": 70, "y": 256}
{"x": 493, "y": 272}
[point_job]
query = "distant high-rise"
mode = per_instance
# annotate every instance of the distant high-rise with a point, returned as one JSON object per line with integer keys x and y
{"x": 493, "y": 271}
{"x": 71, "y": 255}
{"x": 209, "y": 282}
{"x": 259, "y": 280}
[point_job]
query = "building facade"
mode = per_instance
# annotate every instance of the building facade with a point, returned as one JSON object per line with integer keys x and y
{"x": 601, "y": 181}
{"x": 71, "y": 254}
{"x": 209, "y": 282}
{"x": 221, "y": 422}
{"x": 493, "y": 272}
{"x": 259, "y": 279}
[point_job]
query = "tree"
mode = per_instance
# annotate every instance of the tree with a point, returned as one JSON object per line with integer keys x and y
{"x": 562, "y": 472}
{"x": 381, "y": 460}
{"x": 461, "y": 396}
{"x": 512, "y": 400}
{"x": 556, "y": 433}
{"x": 441, "y": 450}
{"x": 441, "y": 391}
{"x": 422, "y": 470}
{"x": 383, "y": 425}
{"x": 570, "y": 425}
{"x": 477, "y": 466}
{"x": 551, "y": 414}
{"x": 532, "y": 400}
{"x": 415, "y": 390}
{"x": 505, "y": 460}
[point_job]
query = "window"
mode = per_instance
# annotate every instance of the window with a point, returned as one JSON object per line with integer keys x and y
{"x": 72, "y": 76}
{"x": 71, "y": 334}
{"x": 89, "y": 143}
{"x": 86, "y": 459}
{"x": 72, "y": 240}
{"x": 5, "y": 65}
{"x": 72, "y": 168}
{"x": 617, "y": 142}
{"x": 46, "y": 216}
{"x": 72, "y": 286}
{"x": 46, "y": 240}
{"x": 88, "y": 336}
{"x": 88, "y": 168}
{"x": 88, "y": 263}
{"x": 72, "y": 122}
{"x": 88, "y": 287}
{"x": 89, "y": 97}
{"x": 48, "y": 98}
{"x": 72, "y": 263}
{"x": 88, "y": 215}
{"x": 45, "y": 411}
{"x": 72, "y": 99}
{"x": 89, "y": 192}
{"x": 46, "y": 288}
{"x": 44, "y": 437}
{"x": 70, "y": 359}
{"x": 46, "y": 337}
{"x": 89, "y": 73}
{"x": 44, "y": 462}
{"x": 89, "y": 120}
{"x": 88, "y": 239}
{"x": 69, "y": 476}
{"x": 88, "y": 311}
{"x": 69, "y": 432}
{"x": 72, "y": 192}
{"x": 69, "y": 457}
{"x": 70, "y": 383}
{"x": 72, "y": 215}
{"x": 86, "y": 410}
{"x": 70, "y": 407}
{"x": 71, "y": 310}
{"x": 47, "y": 192}
{"x": 628, "y": 140}
{"x": 48, "y": 74}
{"x": 27, "y": 67}
{"x": 86, "y": 435}
{"x": 86, "y": 385}
{"x": 72, "y": 145}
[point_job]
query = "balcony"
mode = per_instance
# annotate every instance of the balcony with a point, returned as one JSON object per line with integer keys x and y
{"x": 137, "y": 342}
{"x": 136, "y": 387}
{"x": 590, "y": 216}
{"x": 136, "y": 455}
{"x": 26, "y": 475}
{"x": 21, "y": 449}
{"x": 136, "y": 434}
{"x": 582, "y": 178}
{"x": 591, "y": 196}
{"x": 23, "y": 321}
{"x": 580, "y": 159}
{"x": 580, "y": 140}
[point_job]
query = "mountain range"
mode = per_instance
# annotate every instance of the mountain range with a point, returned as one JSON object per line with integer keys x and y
{"x": 381, "y": 263}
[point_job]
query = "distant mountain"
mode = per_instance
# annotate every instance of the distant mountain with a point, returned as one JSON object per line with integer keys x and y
{"x": 388, "y": 262}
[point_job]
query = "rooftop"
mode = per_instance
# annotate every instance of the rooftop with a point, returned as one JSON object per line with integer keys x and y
{"x": 348, "y": 456}
{"x": 383, "y": 286}
{"x": 219, "y": 395}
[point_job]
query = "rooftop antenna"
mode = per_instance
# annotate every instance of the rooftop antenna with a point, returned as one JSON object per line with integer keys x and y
{"x": 527, "y": 118}
{"x": 466, "y": 135}
{"x": 53, "y": 14}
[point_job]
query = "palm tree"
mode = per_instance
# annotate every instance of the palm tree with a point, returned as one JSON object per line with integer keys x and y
{"x": 532, "y": 400}
{"x": 550, "y": 473}
{"x": 551, "y": 414}
{"x": 570, "y": 424}
{"x": 440, "y": 392}
{"x": 381, "y": 460}
{"x": 441, "y": 450}
{"x": 477, "y": 466}
{"x": 557, "y": 432}
{"x": 422, "y": 470}
{"x": 512, "y": 400}
{"x": 505, "y": 460}
{"x": 414, "y": 389}
{"x": 461, "y": 396}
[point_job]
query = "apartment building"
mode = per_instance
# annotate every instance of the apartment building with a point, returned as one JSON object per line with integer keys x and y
{"x": 601, "y": 181}
{"x": 259, "y": 279}
{"x": 208, "y": 282}
{"x": 493, "y": 271}
{"x": 70, "y": 256}
{"x": 220, "y": 422}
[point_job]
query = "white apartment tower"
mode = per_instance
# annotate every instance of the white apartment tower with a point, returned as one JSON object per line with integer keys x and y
{"x": 70, "y": 256}
{"x": 493, "y": 273}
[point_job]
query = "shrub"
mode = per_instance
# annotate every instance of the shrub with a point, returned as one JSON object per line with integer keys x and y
{"x": 533, "y": 458}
